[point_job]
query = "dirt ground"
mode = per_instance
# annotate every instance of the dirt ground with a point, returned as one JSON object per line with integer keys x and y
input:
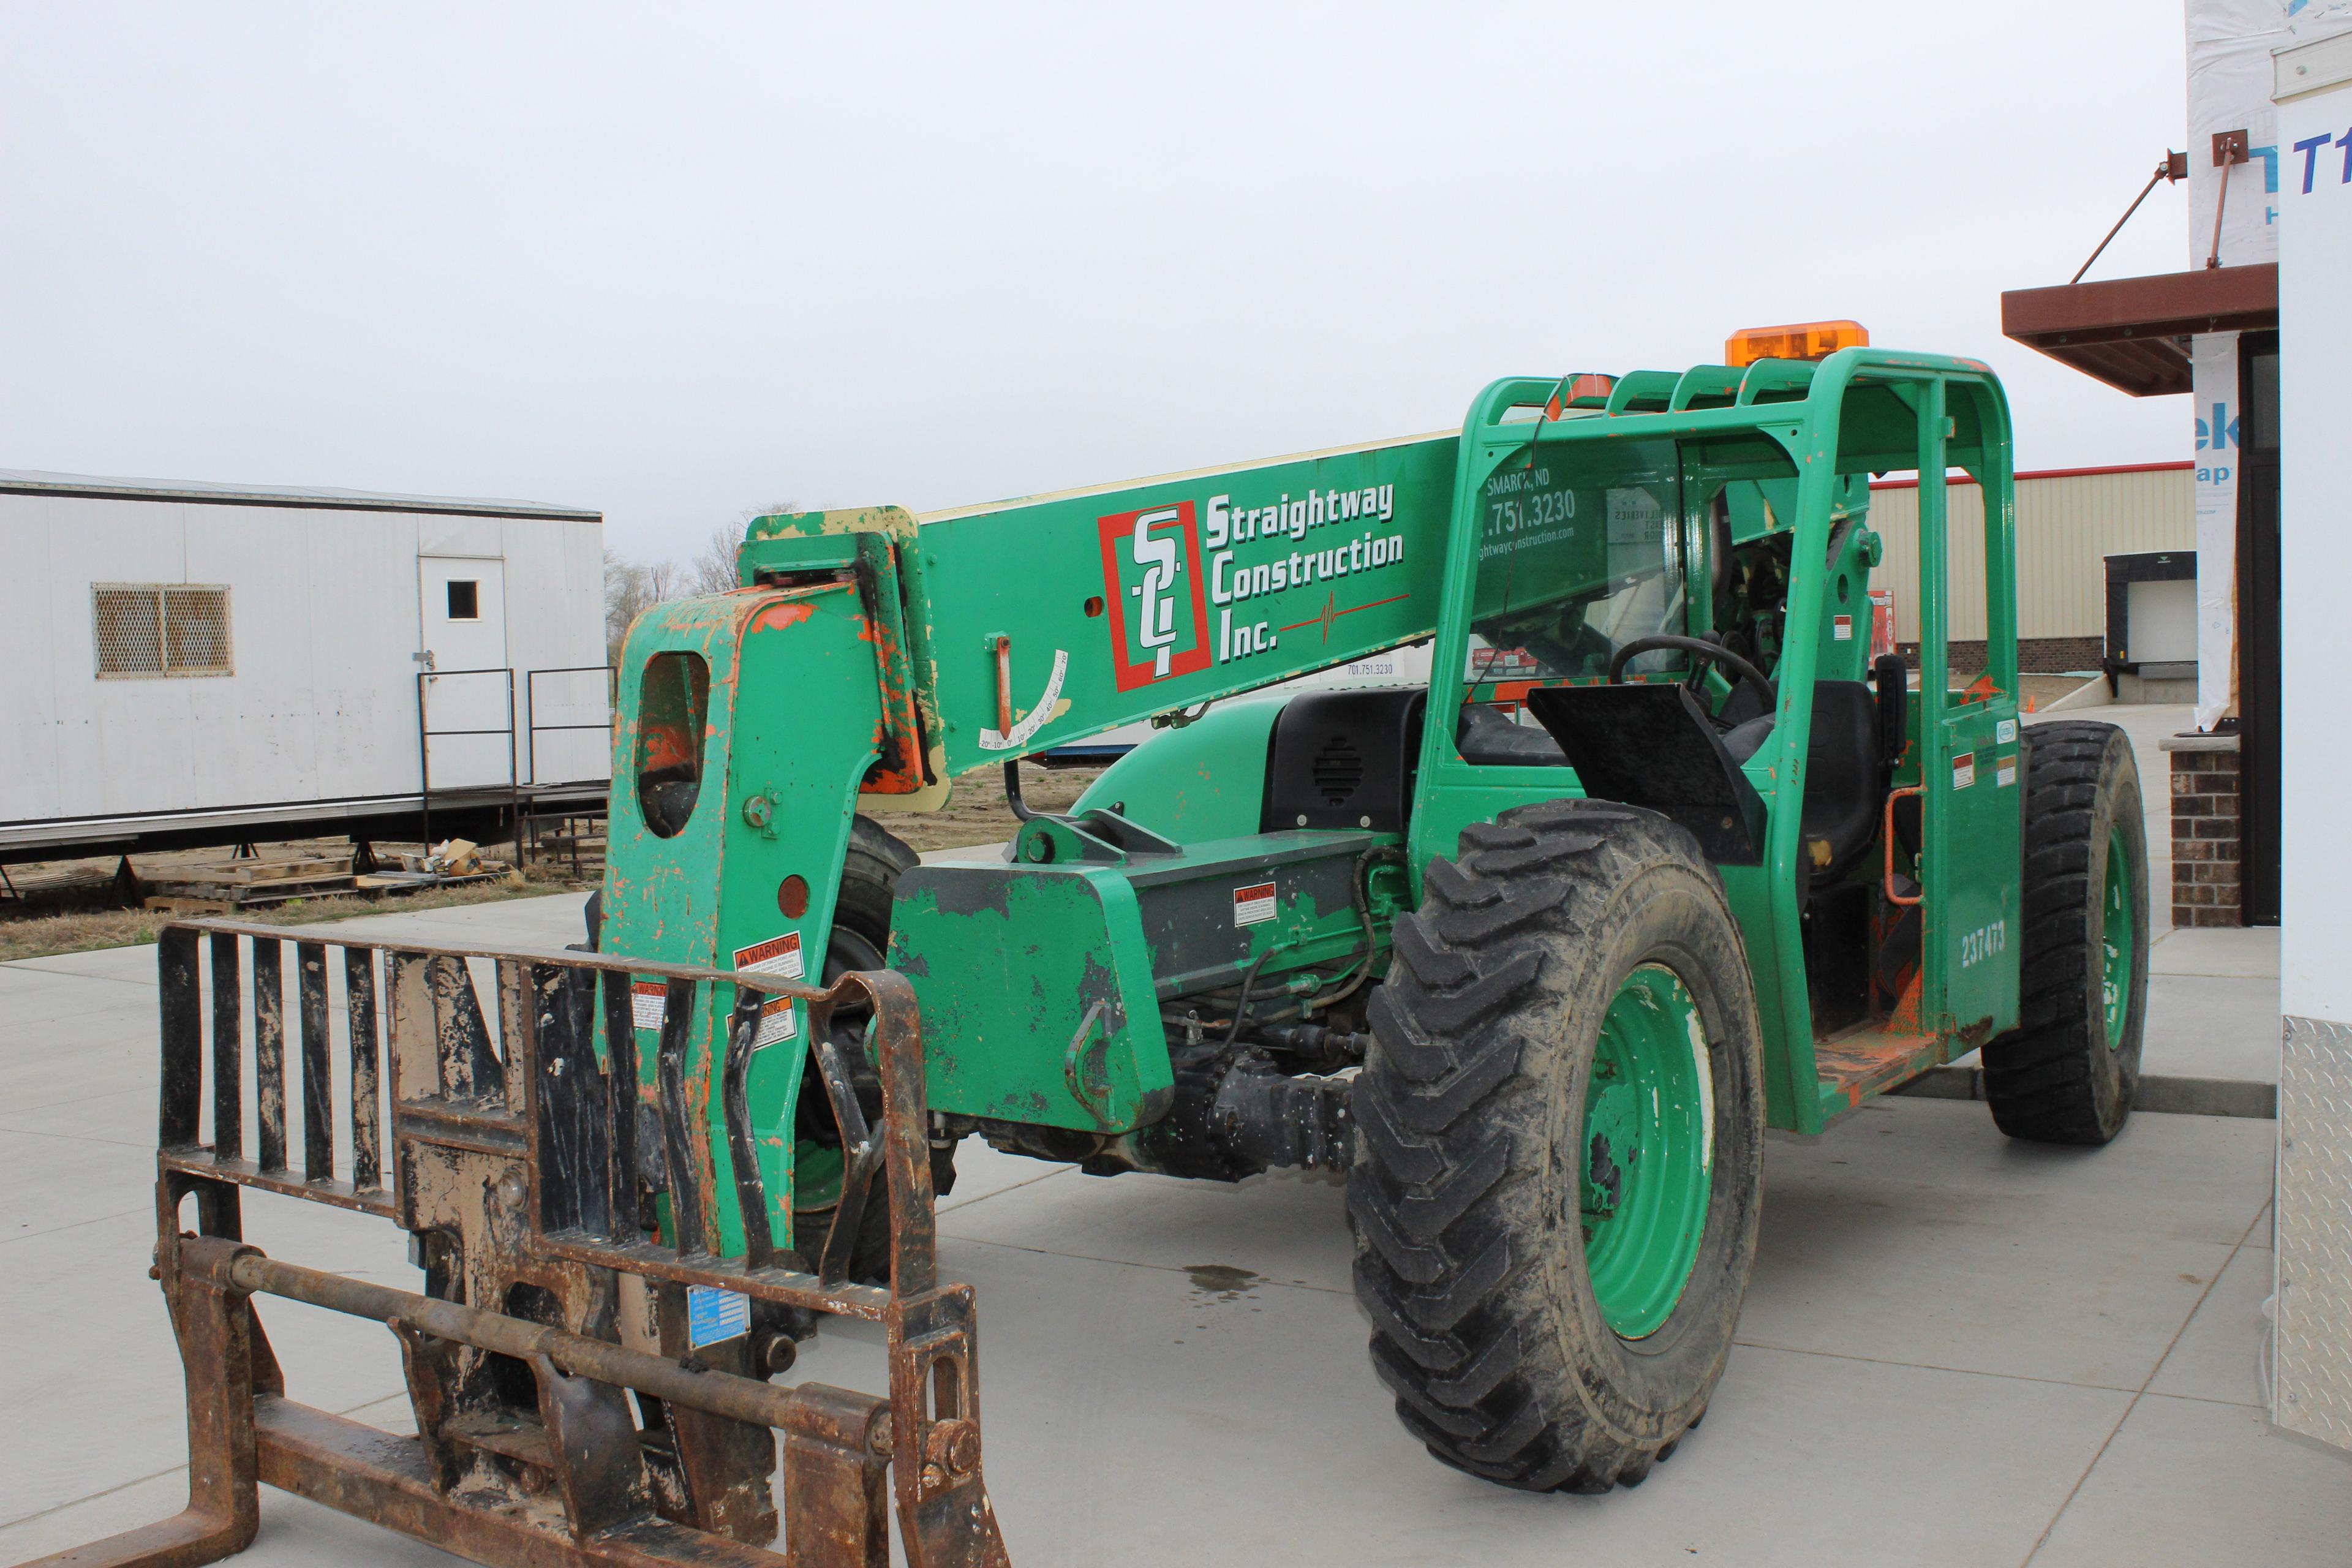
{"x": 71, "y": 906}
{"x": 977, "y": 812}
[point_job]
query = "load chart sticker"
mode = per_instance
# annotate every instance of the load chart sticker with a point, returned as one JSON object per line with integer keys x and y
{"x": 779, "y": 956}
{"x": 1254, "y": 905}
{"x": 714, "y": 1317}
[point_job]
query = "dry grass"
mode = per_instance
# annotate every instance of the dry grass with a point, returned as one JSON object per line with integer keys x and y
{"x": 78, "y": 930}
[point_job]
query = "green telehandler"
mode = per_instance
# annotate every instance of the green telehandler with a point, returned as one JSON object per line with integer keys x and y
{"x": 1662, "y": 854}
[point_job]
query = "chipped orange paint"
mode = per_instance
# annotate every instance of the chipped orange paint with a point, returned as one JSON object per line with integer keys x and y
{"x": 776, "y": 617}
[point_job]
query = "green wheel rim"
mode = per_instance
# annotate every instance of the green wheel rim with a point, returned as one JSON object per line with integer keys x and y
{"x": 2115, "y": 937}
{"x": 816, "y": 1176}
{"x": 1646, "y": 1152}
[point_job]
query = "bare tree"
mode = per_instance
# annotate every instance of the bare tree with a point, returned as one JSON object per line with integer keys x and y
{"x": 629, "y": 592}
{"x": 712, "y": 570}
{"x": 633, "y": 587}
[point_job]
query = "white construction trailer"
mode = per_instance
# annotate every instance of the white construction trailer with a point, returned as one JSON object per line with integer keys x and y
{"x": 193, "y": 663}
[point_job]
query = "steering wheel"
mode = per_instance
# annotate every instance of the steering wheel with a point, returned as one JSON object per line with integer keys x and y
{"x": 1702, "y": 651}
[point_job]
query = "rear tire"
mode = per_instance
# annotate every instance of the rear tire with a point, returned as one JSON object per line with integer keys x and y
{"x": 1484, "y": 1200}
{"x": 2068, "y": 1072}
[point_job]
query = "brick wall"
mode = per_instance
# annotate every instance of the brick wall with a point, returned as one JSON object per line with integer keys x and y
{"x": 2035, "y": 656}
{"x": 2205, "y": 830}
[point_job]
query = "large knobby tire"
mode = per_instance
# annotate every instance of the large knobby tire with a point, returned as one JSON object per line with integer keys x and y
{"x": 860, "y": 940}
{"x": 1487, "y": 1196}
{"x": 2067, "y": 1073}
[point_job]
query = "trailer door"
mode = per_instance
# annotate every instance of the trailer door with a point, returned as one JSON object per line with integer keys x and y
{"x": 467, "y": 695}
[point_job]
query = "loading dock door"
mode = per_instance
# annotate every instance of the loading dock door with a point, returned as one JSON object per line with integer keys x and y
{"x": 467, "y": 691}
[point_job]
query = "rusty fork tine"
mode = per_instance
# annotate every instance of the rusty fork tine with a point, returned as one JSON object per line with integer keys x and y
{"x": 621, "y": 1099}
{"x": 742, "y": 1153}
{"x": 270, "y": 1048}
{"x": 367, "y": 1128}
{"x": 317, "y": 1077}
{"x": 228, "y": 1048}
{"x": 532, "y": 1253}
{"x": 677, "y": 1148}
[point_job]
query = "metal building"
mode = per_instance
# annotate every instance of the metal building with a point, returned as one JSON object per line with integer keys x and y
{"x": 2069, "y": 521}
{"x": 199, "y": 663}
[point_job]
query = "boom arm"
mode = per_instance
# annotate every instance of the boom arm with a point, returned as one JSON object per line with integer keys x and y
{"x": 1034, "y": 623}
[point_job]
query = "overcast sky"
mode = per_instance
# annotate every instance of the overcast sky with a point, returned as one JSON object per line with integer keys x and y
{"x": 679, "y": 261}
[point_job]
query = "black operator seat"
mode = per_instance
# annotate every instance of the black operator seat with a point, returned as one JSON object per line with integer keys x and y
{"x": 1845, "y": 775}
{"x": 1847, "y": 755}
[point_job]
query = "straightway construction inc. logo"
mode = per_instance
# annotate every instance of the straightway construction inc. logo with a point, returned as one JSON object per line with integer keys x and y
{"x": 1159, "y": 612}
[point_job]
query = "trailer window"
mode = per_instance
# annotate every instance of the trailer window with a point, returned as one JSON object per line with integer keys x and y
{"x": 465, "y": 599}
{"x": 156, "y": 629}
{"x": 673, "y": 702}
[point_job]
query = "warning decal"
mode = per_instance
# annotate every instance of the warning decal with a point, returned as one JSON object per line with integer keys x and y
{"x": 779, "y": 956}
{"x": 2004, "y": 773}
{"x": 1964, "y": 770}
{"x": 1842, "y": 629}
{"x": 1254, "y": 905}
{"x": 648, "y": 1000}
{"x": 777, "y": 1022}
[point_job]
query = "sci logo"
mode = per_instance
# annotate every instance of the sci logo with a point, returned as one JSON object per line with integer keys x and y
{"x": 1159, "y": 612}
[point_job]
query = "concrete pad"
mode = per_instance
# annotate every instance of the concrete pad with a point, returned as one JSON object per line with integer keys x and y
{"x": 1914, "y": 1232}
{"x": 1911, "y": 1232}
{"x": 2191, "y": 1483}
{"x": 1283, "y": 1226}
{"x": 107, "y": 1355}
{"x": 2244, "y": 953}
{"x": 982, "y": 1172}
{"x": 50, "y": 1182}
{"x": 31, "y": 1000}
{"x": 104, "y": 1031}
{"x": 123, "y": 1117}
{"x": 2201, "y": 1026}
{"x": 295, "y": 1533}
{"x": 2219, "y": 1355}
{"x": 1183, "y": 1423}
{"x": 133, "y": 965}
{"x": 1925, "y": 1289}
{"x": 552, "y": 921}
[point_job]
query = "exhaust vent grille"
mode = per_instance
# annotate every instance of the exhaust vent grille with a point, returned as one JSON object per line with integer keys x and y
{"x": 1337, "y": 769}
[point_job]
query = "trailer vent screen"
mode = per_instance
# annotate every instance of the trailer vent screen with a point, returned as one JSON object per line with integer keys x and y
{"x": 152, "y": 629}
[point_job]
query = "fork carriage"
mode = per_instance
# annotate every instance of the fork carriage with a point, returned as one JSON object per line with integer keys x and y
{"x": 589, "y": 1376}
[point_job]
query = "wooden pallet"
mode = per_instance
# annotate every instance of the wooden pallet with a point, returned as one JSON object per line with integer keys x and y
{"x": 246, "y": 882}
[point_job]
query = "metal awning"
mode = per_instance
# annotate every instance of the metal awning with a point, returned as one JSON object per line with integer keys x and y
{"x": 2133, "y": 332}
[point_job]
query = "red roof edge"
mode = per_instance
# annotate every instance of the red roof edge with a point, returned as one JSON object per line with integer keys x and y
{"x": 2046, "y": 474}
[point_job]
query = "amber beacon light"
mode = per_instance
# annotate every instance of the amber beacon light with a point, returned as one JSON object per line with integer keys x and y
{"x": 1804, "y": 339}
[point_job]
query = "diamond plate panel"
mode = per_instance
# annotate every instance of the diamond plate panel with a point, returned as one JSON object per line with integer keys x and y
{"x": 2311, "y": 1389}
